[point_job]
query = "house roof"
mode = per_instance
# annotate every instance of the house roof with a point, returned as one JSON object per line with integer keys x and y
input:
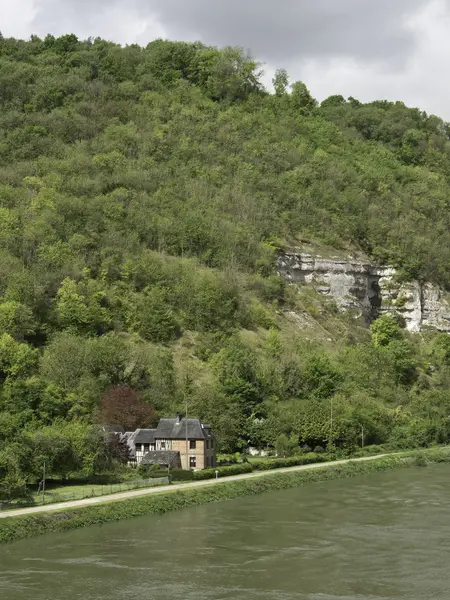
{"x": 175, "y": 429}
{"x": 128, "y": 438}
{"x": 144, "y": 436}
{"x": 162, "y": 457}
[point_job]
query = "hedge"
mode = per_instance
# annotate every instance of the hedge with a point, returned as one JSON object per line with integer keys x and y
{"x": 238, "y": 469}
{"x": 182, "y": 475}
{"x": 292, "y": 461}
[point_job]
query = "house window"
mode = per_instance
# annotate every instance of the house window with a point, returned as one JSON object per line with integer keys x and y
{"x": 192, "y": 444}
{"x": 192, "y": 462}
{"x": 163, "y": 445}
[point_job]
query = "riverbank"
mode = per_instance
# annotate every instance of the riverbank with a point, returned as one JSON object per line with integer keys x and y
{"x": 138, "y": 504}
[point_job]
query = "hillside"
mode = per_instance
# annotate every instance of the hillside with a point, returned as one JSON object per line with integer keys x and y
{"x": 145, "y": 194}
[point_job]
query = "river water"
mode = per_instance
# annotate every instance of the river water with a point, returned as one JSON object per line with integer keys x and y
{"x": 381, "y": 536}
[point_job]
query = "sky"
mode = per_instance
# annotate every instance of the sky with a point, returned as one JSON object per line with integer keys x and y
{"x": 368, "y": 49}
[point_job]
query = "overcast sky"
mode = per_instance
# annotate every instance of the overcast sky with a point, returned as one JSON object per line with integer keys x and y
{"x": 369, "y": 49}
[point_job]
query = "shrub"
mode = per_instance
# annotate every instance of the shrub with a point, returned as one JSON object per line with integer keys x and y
{"x": 304, "y": 459}
{"x": 152, "y": 471}
{"x": 223, "y": 471}
{"x": 420, "y": 460}
{"x": 181, "y": 475}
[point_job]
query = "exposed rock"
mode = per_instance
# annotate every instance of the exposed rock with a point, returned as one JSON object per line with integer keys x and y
{"x": 368, "y": 289}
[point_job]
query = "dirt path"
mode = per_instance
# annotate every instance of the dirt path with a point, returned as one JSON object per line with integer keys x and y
{"x": 172, "y": 488}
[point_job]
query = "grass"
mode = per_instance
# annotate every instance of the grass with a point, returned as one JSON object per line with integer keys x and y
{"x": 66, "y": 493}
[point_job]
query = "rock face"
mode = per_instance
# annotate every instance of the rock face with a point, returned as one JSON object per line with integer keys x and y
{"x": 369, "y": 290}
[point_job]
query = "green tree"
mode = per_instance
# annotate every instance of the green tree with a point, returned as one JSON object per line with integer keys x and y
{"x": 16, "y": 320}
{"x": 385, "y": 330}
{"x": 280, "y": 82}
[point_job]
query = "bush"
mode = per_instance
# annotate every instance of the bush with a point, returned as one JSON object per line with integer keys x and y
{"x": 420, "y": 460}
{"x": 223, "y": 471}
{"x": 152, "y": 471}
{"x": 285, "y": 446}
{"x": 279, "y": 463}
{"x": 181, "y": 475}
{"x": 227, "y": 459}
{"x": 374, "y": 449}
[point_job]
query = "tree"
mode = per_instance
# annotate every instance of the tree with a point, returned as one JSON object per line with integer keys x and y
{"x": 122, "y": 406}
{"x": 301, "y": 97}
{"x": 52, "y": 446}
{"x": 65, "y": 360}
{"x": 153, "y": 317}
{"x": 118, "y": 449}
{"x": 285, "y": 446}
{"x": 81, "y": 306}
{"x": 12, "y": 481}
{"x": 321, "y": 378}
{"x": 233, "y": 76}
{"x": 16, "y": 359}
{"x": 385, "y": 330}
{"x": 280, "y": 82}
{"x": 333, "y": 101}
{"x": 16, "y": 319}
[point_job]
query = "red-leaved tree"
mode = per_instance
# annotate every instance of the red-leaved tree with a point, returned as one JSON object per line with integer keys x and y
{"x": 123, "y": 406}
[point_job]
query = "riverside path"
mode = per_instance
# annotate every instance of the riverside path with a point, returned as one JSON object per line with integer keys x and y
{"x": 174, "y": 487}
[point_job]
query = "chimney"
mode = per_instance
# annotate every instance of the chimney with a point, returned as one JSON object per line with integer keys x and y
{"x": 179, "y": 418}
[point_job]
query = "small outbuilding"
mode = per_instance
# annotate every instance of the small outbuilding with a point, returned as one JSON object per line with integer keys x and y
{"x": 165, "y": 458}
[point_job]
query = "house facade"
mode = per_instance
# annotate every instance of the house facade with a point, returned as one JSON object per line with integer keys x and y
{"x": 192, "y": 441}
{"x": 191, "y": 438}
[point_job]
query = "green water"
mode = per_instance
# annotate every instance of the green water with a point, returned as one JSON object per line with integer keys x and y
{"x": 383, "y": 536}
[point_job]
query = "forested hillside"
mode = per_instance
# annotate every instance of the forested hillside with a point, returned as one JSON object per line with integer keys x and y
{"x": 144, "y": 195}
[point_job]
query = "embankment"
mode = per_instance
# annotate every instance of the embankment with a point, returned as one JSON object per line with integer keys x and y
{"x": 16, "y": 528}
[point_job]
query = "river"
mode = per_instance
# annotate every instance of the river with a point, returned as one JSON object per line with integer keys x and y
{"x": 377, "y": 537}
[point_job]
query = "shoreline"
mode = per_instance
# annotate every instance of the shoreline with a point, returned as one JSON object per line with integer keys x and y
{"x": 108, "y": 509}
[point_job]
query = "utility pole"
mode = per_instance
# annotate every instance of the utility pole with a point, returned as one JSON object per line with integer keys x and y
{"x": 187, "y": 453}
{"x": 362, "y": 436}
{"x": 331, "y": 421}
{"x": 43, "y": 486}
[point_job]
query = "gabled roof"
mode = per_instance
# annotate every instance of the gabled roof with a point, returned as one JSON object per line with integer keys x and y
{"x": 162, "y": 457}
{"x": 128, "y": 438}
{"x": 175, "y": 429}
{"x": 144, "y": 436}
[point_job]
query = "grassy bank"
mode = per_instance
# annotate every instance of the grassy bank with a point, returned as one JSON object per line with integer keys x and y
{"x": 16, "y": 528}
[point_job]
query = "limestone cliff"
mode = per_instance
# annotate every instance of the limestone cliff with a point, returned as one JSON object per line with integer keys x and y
{"x": 368, "y": 289}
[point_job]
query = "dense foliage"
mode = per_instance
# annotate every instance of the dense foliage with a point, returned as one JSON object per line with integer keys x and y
{"x": 144, "y": 193}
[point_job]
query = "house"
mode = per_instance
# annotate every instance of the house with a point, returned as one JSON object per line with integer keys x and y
{"x": 140, "y": 442}
{"x": 190, "y": 440}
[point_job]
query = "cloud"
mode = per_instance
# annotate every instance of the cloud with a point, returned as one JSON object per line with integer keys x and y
{"x": 116, "y": 20}
{"x": 285, "y": 30}
{"x": 370, "y": 49}
{"x": 420, "y": 82}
